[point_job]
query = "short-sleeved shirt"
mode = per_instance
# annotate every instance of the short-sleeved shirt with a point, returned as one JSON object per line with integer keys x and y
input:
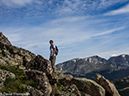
{"x": 52, "y": 50}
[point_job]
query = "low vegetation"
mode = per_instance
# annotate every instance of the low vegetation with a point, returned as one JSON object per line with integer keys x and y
{"x": 17, "y": 84}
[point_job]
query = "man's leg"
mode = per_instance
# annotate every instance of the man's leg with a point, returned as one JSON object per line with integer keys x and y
{"x": 53, "y": 60}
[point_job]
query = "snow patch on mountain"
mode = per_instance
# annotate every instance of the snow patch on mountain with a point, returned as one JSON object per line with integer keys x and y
{"x": 123, "y": 56}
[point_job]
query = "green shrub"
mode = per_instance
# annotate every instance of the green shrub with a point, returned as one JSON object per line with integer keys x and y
{"x": 59, "y": 86}
{"x": 11, "y": 86}
{"x": 58, "y": 83}
{"x": 8, "y": 80}
{"x": 13, "y": 69}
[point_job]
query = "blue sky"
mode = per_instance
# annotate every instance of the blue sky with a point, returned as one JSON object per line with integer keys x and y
{"x": 80, "y": 28}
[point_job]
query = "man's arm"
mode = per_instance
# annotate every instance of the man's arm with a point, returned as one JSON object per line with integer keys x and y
{"x": 54, "y": 52}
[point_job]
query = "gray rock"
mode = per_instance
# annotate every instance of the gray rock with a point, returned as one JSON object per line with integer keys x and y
{"x": 107, "y": 85}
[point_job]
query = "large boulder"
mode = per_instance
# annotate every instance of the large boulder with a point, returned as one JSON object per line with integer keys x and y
{"x": 41, "y": 64}
{"x": 107, "y": 85}
{"x": 4, "y": 39}
{"x": 41, "y": 80}
{"x": 88, "y": 86}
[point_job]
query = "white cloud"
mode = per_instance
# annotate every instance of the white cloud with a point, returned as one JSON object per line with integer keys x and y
{"x": 102, "y": 4}
{"x": 69, "y": 19}
{"x": 109, "y": 31}
{"x": 85, "y": 6}
{"x": 119, "y": 11}
{"x": 12, "y": 3}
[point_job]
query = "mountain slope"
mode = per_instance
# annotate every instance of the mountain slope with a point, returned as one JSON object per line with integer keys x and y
{"x": 87, "y": 67}
{"x": 121, "y": 61}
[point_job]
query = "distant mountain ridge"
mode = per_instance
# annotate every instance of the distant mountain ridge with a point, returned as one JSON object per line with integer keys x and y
{"x": 120, "y": 61}
{"x": 86, "y": 67}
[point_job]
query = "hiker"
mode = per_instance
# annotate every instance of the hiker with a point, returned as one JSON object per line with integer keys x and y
{"x": 53, "y": 53}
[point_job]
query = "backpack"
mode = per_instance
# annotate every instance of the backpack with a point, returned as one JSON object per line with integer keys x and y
{"x": 57, "y": 50}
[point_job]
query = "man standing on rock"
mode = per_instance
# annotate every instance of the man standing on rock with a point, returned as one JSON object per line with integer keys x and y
{"x": 52, "y": 55}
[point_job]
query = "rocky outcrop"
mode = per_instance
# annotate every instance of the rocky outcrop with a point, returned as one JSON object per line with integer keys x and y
{"x": 41, "y": 64}
{"x": 88, "y": 86}
{"x": 41, "y": 80}
{"x": 107, "y": 85}
{"x": 4, "y": 75}
{"x": 4, "y": 39}
{"x": 11, "y": 55}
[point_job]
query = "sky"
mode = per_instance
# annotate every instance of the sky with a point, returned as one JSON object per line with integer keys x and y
{"x": 79, "y": 28}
